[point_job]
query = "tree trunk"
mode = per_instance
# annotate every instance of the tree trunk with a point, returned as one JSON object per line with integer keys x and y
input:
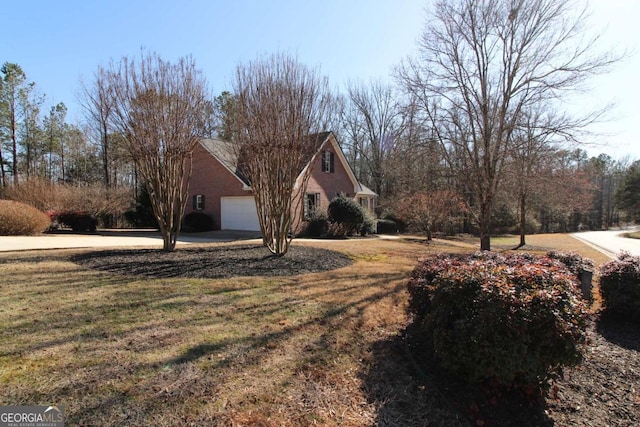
{"x": 523, "y": 219}
{"x": 105, "y": 156}
{"x": 14, "y": 151}
{"x": 169, "y": 240}
{"x": 485, "y": 226}
{"x": 3, "y": 177}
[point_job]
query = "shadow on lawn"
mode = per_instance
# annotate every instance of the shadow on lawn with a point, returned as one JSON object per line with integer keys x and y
{"x": 415, "y": 391}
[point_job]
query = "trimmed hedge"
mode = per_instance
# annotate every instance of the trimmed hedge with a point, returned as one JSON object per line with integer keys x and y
{"x": 347, "y": 214}
{"x": 197, "y": 222}
{"x": 575, "y": 262}
{"x": 620, "y": 286}
{"x": 580, "y": 267}
{"x": 317, "y": 224}
{"x": 387, "y": 226}
{"x": 20, "y": 219}
{"x": 511, "y": 320}
{"x": 77, "y": 221}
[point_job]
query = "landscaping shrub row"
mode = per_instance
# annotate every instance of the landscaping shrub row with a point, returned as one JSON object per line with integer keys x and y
{"x": 76, "y": 220}
{"x": 197, "y": 222}
{"x": 344, "y": 217}
{"x": 620, "y": 287}
{"x": 20, "y": 219}
{"x": 508, "y": 319}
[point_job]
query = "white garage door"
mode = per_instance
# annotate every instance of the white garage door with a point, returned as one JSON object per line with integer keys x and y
{"x": 239, "y": 213}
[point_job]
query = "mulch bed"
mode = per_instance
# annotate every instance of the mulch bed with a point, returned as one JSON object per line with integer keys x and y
{"x": 603, "y": 391}
{"x": 213, "y": 262}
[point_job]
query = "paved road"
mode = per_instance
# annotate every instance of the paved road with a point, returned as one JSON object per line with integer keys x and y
{"x": 113, "y": 238}
{"x": 610, "y": 242}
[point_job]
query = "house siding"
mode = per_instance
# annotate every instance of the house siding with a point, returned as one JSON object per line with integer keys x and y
{"x": 213, "y": 180}
{"x": 327, "y": 185}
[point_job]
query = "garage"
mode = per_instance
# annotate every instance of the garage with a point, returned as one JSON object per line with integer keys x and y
{"x": 239, "y": 213}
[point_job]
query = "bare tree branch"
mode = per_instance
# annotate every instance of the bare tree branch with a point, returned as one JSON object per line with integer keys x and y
{"x": 484, "y": 62}
{"x": 279, "y": 104}
{"x": 160, "y": 108}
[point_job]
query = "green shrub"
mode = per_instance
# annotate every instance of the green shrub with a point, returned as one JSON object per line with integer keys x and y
{"x": 512, "y": 320}
{"x": 77, "y": 221}
{"x": 197, "y": 222}
{"x": 388, "y": 226}
{"x": 368, "y": 226}
{"x": 347, "y": 214}
{"x": 317, "y": 224}
{"x": 620, "y": 286}
{"x": 141, "y": 216}
{"x": 20, "y": 219}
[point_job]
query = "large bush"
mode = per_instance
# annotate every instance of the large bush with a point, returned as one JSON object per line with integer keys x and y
{"x": 508, "y": 319}
{"x": 620, "y": 286}
{"x": 387, "y": 226}
{"x": 197, "y": 222}
{"x": 347, "y": 215}
{"x": 20, "y": 219}
{"x": 579, "y": 266}
{"x": 317, "y": 224}
{"x": 575, "y": 262}
{"x": 92, "y": 198}
{"x": 77, "y": 220}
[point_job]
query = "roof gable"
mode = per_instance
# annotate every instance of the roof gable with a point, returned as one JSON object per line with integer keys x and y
{"x": 224, "y": 152}
{"x": 328, "y": 138}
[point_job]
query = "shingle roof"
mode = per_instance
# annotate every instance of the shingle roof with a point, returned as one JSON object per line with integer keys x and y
{"x": 225, "y": 152}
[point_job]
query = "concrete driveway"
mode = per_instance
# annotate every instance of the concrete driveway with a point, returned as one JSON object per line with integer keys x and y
{"x": 610, "y": 243}
{"x": 115, "y": 238}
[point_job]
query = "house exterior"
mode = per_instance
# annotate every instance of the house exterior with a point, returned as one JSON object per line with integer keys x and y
{"x": 218, "y": 190}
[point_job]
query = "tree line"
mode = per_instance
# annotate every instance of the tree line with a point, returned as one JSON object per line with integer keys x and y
{"x": 469, "y": 136}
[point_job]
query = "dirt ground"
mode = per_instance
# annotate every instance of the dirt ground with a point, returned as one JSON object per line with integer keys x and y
{"x": 213, "y": 262}
{"x": 603, "y": 391}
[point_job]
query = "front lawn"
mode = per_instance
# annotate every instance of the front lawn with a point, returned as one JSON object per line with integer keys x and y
{"x": 321, "y": 348}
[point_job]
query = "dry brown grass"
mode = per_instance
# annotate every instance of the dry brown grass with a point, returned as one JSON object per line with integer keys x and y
{"x": 633, "y": 235}
{"x": 316, "y": 349}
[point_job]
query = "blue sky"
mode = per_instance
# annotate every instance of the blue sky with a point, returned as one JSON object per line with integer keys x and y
{"x": 58, "y": 43}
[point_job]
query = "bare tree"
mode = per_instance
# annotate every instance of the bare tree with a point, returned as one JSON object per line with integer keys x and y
{"x": 373, "y": 122}
{"x": 278, "y": 104}
{"x": 482, "y": 62}
{"x": 425, "y": 212}
{"x": 160, "y": 109}
{"x": 98, "y": 105}
{"x": 526, "y": 173}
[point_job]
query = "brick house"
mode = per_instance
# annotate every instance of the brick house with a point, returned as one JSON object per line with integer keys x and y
{"x": 218, "y": 190}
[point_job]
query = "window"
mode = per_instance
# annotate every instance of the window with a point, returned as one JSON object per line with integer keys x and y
{"x": 367, "y": 203}
{"x": 198, "y": 202}
{"x": 328, "y": 162}
{"x": 311, "y": 203}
